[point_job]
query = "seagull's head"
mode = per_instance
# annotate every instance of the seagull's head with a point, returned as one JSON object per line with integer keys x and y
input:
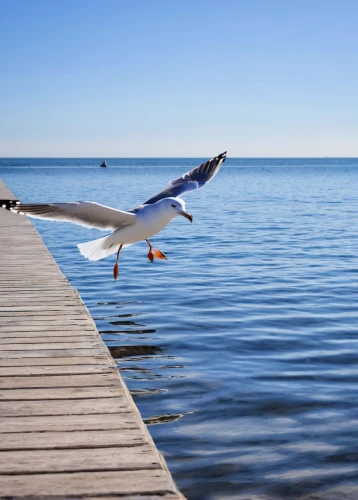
{"x": 176, "y": 206}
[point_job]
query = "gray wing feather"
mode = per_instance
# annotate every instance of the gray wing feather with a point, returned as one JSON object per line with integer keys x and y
{"x": 83, "y": 213}
{"x": 192, "y": 180}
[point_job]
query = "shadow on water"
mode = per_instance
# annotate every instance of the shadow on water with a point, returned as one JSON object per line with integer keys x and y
{"x": 130, "y": 350}
{"x": 133, "y": 361}
{"x": 139, "y": 362}
{"x": 164, "y": 419}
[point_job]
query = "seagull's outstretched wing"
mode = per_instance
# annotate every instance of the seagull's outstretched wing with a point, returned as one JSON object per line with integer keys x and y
{"x": 84, "y": 213}
{"x": 194, "y": 179}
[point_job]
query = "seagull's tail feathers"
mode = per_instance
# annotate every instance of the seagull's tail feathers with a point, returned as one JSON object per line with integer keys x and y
{"x": 99, "y": 249}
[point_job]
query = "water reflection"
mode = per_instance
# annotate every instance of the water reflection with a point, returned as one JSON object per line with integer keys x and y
{"x": 147, "y": 392}
{"x": 118, "y": 316}
{"x": 124, "y": 322}
{"x": 130, "y": 331}
{"x": 164, "y": 419}
{"x": 118, "y": 303}
{"x": 139, "y": 363}
{"x": 132, "y": 350}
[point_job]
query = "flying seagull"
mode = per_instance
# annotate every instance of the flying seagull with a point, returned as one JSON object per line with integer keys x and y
{"x": 131, "y": 226}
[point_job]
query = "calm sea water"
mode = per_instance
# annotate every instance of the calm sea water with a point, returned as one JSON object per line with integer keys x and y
{"x": 241, "y": 350}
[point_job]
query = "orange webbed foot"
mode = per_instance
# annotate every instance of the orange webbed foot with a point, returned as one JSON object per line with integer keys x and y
{"x": 158, "y": 254}
{"x": 154, "y": 253}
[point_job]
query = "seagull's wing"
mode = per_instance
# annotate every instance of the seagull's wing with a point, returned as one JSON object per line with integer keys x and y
{"x": 84, "y": 213}
{"x": 194, "y": 179}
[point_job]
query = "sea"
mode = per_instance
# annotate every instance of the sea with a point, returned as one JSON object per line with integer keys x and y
{"x": 240, "y": 350}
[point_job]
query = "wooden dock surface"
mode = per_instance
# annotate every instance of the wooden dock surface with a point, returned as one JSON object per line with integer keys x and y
{"x": 68, "y": 426}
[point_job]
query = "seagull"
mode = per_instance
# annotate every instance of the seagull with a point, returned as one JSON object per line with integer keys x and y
{"x": 131, "y": 226}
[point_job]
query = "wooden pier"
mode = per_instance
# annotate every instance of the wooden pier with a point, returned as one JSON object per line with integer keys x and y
{"x": 68, "y": 426}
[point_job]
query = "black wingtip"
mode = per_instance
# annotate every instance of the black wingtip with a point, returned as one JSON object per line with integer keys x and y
{"x": 222, "y": 156}
{"x": 8, "y": 204}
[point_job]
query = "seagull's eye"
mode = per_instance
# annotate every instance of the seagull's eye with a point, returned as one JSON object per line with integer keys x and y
{"x": 174, "y": 206}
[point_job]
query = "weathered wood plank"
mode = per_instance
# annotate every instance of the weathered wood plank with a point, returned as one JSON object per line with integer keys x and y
{"x": 45, "y": 335}
{"x": 79, "y": 460}
{"x": 48, "y": 324}
{"x": 49, "y": 345}
{"x": 103, "y": 359}
{"x": 48, "y": 318}
{"x": 60, "y": 393}
{"x": 49, "y": 353}
{"x": 45, "y": 328}
{"x": 13, "y": 279}
{"x": 73, "y": 439}
{"x": 5, "y": 192}
{"x": 39, "y": 290}
{"x": 40, "y": 310}
{"x": 87, "y": 483}
{"x": 49, "y": 339}
{"x": 33, "y": 294}
{"x": 8, "y": 267}
{"x": 54, "y": 381}
{"x": 33, "y": 300}
{"x": 33, "y": 286}
{"x": 29, "y": 371}
{"x": 105, "y": 421}
{"x": 87, "y": 406}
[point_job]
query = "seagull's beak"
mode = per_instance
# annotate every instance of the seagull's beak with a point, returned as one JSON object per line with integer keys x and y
{"x": 186, "y": 215}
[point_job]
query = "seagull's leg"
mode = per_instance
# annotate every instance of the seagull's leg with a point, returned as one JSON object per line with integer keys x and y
{"x": 150, "y": 253}
{"x": 154, "y": 253}
{"x": 115, "y": 269}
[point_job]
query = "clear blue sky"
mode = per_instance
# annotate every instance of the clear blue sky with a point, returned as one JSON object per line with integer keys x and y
{"x": 111, "y": 78}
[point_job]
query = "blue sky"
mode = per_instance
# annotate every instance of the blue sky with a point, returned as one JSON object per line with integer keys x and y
{"x": 134, "y": 78}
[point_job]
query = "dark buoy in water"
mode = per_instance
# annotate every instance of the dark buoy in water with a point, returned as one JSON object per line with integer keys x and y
{"x": 104, "y": 164}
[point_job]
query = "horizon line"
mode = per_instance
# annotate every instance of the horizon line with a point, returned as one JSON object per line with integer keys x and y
{"x": 182, "y": 157}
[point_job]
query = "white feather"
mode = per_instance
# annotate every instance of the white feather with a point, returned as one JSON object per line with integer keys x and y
{"x": 99, "y": 249}
{"x": 84, "y": 213}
